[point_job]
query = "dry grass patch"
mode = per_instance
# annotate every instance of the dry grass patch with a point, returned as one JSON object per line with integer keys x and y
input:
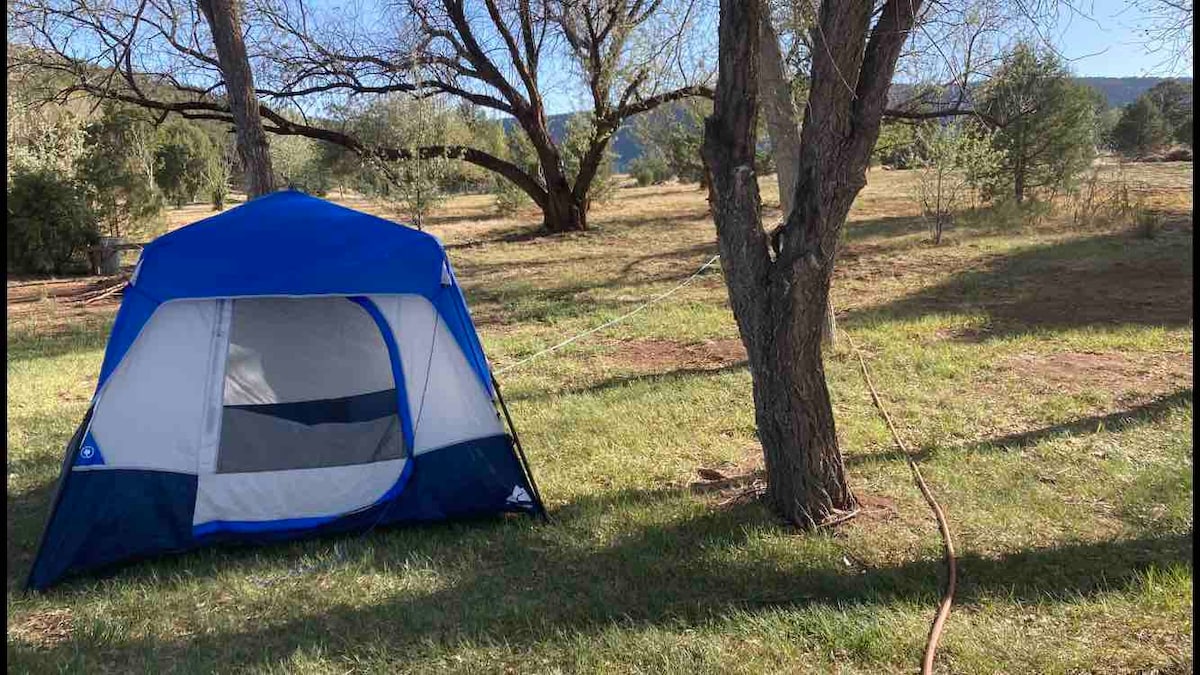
{"x": 1121, "y": 373}
{"x": 43, "y": 629}
{"x": 668, "y": 355}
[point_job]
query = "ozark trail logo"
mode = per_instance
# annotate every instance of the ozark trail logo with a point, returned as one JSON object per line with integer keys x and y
{"x": 519, "y": 496}
{"x": 87, "y": 452}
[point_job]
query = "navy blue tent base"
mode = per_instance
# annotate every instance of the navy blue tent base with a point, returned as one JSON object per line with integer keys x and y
{"x": 156, "y": 519}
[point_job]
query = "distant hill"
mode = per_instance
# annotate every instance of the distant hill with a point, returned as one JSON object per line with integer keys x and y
{"x": 1118, "y": 91}
{"x": 1121, "y": 91}
{"x": 624, "y": 143}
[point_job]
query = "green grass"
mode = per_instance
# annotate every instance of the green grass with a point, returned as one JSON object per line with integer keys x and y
{"x": 1042, "y": 374}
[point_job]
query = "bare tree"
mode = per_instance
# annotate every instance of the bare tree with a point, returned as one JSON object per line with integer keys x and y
{"x": 502, "y": 55}
{"x": 958, "y": 43}
{"x": 779, "y": 279}
{"x": 497, "y": 54}
{"x": 779, "y": 282}
{"x": 1165, "y": 28}
{"x": 252, "y": 145}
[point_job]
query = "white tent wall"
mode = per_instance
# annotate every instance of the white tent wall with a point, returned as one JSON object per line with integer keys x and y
{"x": 297, "y": 493}
{"x": 150, "y": 413}
{"x": 448, "y": 401}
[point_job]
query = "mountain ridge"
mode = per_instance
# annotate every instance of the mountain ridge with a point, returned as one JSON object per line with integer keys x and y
{"x": 1117, "y": 91}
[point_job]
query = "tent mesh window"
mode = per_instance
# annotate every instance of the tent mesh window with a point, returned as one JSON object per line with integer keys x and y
{"x": 308, "y": 383}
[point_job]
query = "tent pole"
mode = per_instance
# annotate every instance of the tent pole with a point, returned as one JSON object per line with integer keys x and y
{"x": 520, "y": 451}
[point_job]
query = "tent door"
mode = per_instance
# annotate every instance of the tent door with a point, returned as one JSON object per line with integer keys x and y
{"x": 314, "y": 417}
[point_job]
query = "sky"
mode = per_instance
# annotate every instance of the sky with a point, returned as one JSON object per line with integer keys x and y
{"x": 1108, "y": 43}
{"x": 1102, "y": 39}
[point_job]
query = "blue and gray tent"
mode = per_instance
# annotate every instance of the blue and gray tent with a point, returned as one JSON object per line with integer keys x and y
{"x": 287, "y": 368}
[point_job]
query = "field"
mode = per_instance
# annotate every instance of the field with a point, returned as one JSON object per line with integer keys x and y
{"x": 1041, "y": 369}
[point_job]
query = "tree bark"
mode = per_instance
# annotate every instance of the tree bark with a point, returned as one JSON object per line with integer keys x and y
{"x": 1019, "y": 179}
{"x": 783, "y": 121}
{"x": 783, "y": 128}
{"x": 564, "y": 212}
{"x": 252, "y": 145}
{"x": 779, "y": 283}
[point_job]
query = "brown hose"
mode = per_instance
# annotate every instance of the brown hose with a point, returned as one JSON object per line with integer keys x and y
{"x": 939, "y": 622}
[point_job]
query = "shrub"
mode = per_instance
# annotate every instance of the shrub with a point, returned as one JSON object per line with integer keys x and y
{"x": 117, "y": 167}
{"x": 1147, "y": 224}
{"x": 1142, "y": 128}
{"x": 49, "y": 223}
{"x": 181, "y": 161}
{"x": 955, "y": 156}
{"x": 510, "y": 198}
{"x": 898, "y": 146}
{"x": 649, "y": 170}
{"x": 216, "y": 179}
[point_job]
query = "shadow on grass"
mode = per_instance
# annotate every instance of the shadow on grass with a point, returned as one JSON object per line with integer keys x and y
{"x": 1108, "y": 279}
{"x": 26, "y": 344}
{"x": 518, "y": 301}
{"x": 466, "y": 219}
{"x": 516, "y": 235}
{"x": 651, "y": 221}
{"x": 656, "y": 379}
{"x": 521, "y": 584}
{"x": 601, "y": 224}
{"x": 886, "y": 227}
{"x": 25, "y": 516}
{"x": 1147, "y": 413}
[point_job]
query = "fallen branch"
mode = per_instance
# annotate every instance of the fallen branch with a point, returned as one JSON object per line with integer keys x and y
{"x": 107, "y": 291}
{"x": 111, "y": 291}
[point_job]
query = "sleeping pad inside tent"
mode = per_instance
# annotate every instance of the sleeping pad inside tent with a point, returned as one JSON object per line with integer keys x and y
{"x": 286, "y": 368}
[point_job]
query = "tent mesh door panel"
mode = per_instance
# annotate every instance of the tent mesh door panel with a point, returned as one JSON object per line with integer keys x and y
{"x": 308, "y": 384}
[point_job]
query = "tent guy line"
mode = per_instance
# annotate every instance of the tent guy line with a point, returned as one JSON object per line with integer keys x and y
{"x": 619, "y": 319}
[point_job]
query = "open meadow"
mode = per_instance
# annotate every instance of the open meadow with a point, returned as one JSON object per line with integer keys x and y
{"x": 1042, "y": 369}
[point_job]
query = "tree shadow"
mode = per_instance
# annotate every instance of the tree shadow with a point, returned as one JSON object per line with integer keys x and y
{"x": 1108, "y": 279}
{"x": 888, "y": 227}
{"x": 518, "y": 301}
{"x": 26, "y": 344}
{"x": 25, "y": 518}
{"x": 517, "y": 235}
{"x": 608, "y": 384}
{"x": 464, "y": 219}
{"x": 600, "y": 224}
{"x": 524, "y": 584}
{"x": 694, "y": 251}
{"x": 473, "y": 274}
{"x": 672, "y": 221}
{"x": 1147, "y": 413}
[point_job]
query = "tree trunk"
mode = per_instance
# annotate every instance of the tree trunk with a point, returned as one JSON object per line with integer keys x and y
{"x": 1019, "y": 181}
{"x": 779, "y": 306}
{"x": 783, "y": 128}
{"x": 252, "y": 144}
{"x": 563, "y": 212}
{"x": 792, "y": 407}
{"x": 779, "y": 283}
